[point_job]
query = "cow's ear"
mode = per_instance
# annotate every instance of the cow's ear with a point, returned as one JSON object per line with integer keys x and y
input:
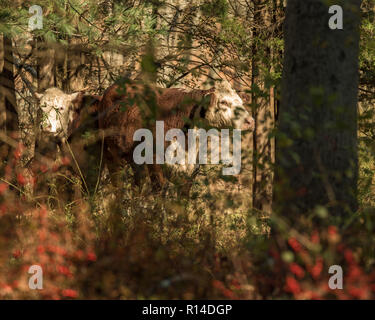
{"x": 213, "y": 102}
{"x": 223, "y": 86}
{"x": 74, "y": 96}
{"x": 76, "y": 99}
{"x": 38, "y": 95}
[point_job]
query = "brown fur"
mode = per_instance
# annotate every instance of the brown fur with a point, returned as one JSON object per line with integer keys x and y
{"x": 84, "y": 143}
{"x": 173, "y": 106}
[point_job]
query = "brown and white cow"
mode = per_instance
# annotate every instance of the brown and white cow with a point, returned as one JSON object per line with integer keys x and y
{"x": 68, "y": 120}
{"x": 58, "y": 110}
{"x": 129, "y": 106}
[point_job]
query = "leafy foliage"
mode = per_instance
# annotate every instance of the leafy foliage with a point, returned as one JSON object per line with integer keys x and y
{"x": 122, "y": 243}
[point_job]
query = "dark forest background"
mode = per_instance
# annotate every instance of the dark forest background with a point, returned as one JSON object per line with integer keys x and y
{"x": 304, "y": 200}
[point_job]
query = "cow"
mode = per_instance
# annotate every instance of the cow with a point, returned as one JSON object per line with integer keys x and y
{"x": 67, "y": 120}
{"x": 57, "y": 109}
{"x": 130, "y": 105}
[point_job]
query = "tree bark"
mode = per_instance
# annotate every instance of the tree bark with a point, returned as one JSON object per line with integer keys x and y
{"x": 8, "y": 107}
{"x": 316, "y": 157}
{"x": 75, "y": 68}
{"x": 263, "y": 152}
{"x": 46, "y": 75}
{"x": 46, "y": 66}
{"x": 7, "y": 90}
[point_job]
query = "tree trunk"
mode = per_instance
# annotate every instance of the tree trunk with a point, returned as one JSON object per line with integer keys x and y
{"x": 7, "y": 92}
{"x": 46, "y": 79}
{"x": 8, "y": 107}
{"x": 46, "y": 75}
{"x": 9, "y": 125}
{"x": 263, "y": 152}
{"x": 75, "y": 67}
{"x": 316, "y": 156}
{"x": 46, "y": 66}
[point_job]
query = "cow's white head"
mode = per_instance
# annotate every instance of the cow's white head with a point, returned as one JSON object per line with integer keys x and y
{"x": 58, "y": 110}
{"x": 226, "y": 109}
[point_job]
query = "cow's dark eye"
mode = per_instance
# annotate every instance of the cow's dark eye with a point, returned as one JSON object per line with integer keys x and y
{"x": 223, "y": 106}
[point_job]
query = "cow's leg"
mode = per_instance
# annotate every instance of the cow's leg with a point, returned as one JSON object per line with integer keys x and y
{"x": 114, "y": 168}
{"x": 186, "y": 187}
{"x": 185, "y": 182}
{"x": 157, "y": 177}
{"x": 184, "y": 190}
{"x": 140, "y": 174}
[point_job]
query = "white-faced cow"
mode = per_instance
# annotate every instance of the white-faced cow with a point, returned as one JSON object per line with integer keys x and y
{"x": 58, "y": 111}
{"x": 67, "y": 119}
{"x": 129, "y": 106}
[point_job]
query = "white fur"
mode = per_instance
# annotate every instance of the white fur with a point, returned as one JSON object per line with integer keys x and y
{"x": 57, "y": 110}
{"x": 229, "y": 110}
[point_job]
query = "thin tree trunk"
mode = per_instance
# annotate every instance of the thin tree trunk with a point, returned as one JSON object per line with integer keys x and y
{"x": 46, "y": 65}
{"x": 263, "y": 116}
{"x": 9, "y": 125}
{"x": 46, "y": 79}
{"x": 7, "y": 90}
{"x": 46, "y": 74}
{"x": 75, "y": 67}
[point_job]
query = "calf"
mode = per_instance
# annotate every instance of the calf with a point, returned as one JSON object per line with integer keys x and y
{"x": 69, "y": 131}
{"x": 57, "y": 111}
{"x": 56, "y": 108}
{"x": 129, "y": 106}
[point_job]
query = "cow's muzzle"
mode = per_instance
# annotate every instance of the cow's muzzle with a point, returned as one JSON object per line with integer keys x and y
{"x": 248, "y": 124}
